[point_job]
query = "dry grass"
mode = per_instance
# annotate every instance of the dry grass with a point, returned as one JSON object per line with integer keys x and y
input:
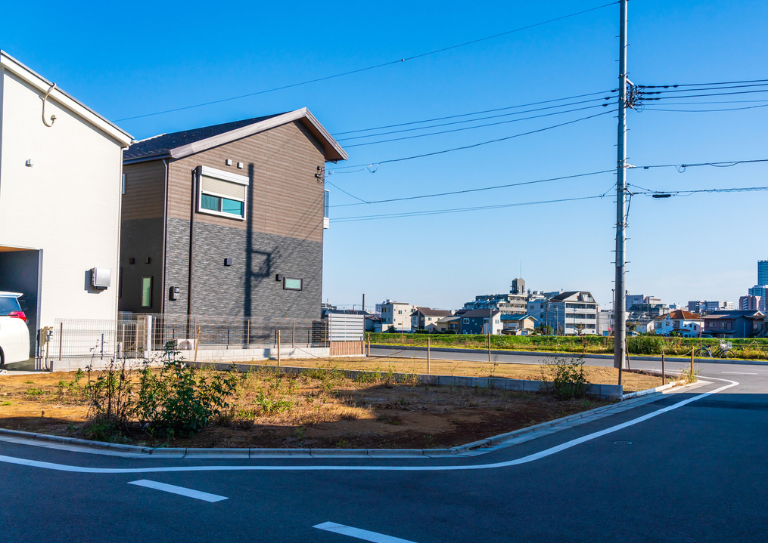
{"x": 632, "y": 381}
{"x": 312, "y": 409}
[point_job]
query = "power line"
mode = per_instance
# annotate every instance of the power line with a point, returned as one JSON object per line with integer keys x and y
{"x": 463, "y": 209}
{"x": 703, "y": 95}
{"x": 676, "y": 85}
{"x": 478, "y": 119}
{"x": 471, "y": 146}
{"x": 704, "y": 110}
{"x": 466, "y": 191}
{"x": 485, "y": 125}
{"x": 410, "y": 123}
{"x": 368, "y": 68}
{"x": 680, "y": 168}
{"x": 703, "y": 89}
{"x": 668, "y": 193}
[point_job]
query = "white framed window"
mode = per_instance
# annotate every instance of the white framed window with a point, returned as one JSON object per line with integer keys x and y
{"x": 466, "y": 321}
{"x": 221, "y": 193}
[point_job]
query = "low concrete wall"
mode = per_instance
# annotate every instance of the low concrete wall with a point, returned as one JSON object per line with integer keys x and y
{"x": 203, "y": 355}
{"x": 606, "y": 392}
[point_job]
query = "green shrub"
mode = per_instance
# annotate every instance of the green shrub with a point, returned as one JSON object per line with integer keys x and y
{"x": 568, "y": 378}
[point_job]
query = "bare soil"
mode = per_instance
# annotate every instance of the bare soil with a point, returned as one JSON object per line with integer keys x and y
{"x": 320, "y": 410}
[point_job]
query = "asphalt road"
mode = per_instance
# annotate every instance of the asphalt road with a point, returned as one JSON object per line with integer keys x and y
{"x": 695, "y": 472}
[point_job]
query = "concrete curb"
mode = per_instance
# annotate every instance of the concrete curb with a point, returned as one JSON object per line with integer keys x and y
{"x": 573, "y": 355}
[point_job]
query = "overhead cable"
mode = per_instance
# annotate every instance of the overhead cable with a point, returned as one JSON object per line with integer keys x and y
{"x": 372, "y": 67}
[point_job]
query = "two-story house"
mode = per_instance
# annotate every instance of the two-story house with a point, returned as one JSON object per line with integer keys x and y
{"x": 680, "y": 322}
{"x": 425, "y": 318}
{"x": 395, "y": 315}
{"x": 479, "y": 321}
{"x": 227, "y": 220}
{"x": 517, "y": 325}
{"x": 733, "y": 324}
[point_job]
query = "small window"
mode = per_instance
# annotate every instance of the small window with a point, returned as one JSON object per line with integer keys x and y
{"x": 146, "y": 292}
{"x": 466, "y": 321}
{"x": 123, "y": 183}
{"x": 292, "y": 284}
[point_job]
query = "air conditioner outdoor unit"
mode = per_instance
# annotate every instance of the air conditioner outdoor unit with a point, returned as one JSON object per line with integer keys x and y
{"x": 101, "y": 277}
{"x": 185, "y": 344}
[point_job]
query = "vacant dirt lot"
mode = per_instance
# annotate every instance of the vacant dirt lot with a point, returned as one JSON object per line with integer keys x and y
{"x": 321, "y": 409}
{"x": 631, "y": 381}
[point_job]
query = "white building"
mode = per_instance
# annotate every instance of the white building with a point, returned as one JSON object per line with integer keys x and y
{"x": 683, "y": 322}
{"x": 395, "y": 314}
{"x": 60, "y": 189}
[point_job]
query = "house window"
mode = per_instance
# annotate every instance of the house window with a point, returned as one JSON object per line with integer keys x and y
{"x": 292, "y": 284}
{"x": 146, "y": 292}
{"x": 465, "y": 321}
{"x": 221, "y": 193}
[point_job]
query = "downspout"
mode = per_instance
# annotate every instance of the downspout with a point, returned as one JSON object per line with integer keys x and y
{"x": 163, "y": 293}
{"x": 191, "y": 238}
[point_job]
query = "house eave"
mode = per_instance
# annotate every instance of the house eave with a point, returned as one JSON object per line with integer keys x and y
{"x": 41, "y": 84}
{"x": 333, "y": 151}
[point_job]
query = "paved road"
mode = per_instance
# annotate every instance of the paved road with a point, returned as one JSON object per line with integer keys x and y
{"x": 692, "y": 473}
{"x": 538, "y": 358}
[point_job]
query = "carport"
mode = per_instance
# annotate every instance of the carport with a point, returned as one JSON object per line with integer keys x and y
{"x": 20, "y": 272}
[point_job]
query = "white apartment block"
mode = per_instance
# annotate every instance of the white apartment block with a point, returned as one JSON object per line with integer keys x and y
{"x": 396, "y": 314}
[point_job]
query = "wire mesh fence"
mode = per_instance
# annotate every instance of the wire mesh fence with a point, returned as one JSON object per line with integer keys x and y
{"x": 140, "y": 335}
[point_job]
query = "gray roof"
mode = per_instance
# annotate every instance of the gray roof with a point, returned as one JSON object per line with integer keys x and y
{"x": 475, "y": 313}
{"x": 565, "y": 295}
{"x": 733, "y": 314}
{"x": 162, "y": 144}
{"x": 428, "y": 312}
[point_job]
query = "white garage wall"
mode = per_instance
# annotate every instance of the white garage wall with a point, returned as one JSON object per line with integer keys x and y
{"x": 67, "y": 204}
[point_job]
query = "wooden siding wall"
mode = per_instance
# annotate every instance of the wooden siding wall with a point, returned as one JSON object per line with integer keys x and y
{"x": 347, "y": 348}
{"x": 144, "y": 190}
{"x": 286, "y": 198}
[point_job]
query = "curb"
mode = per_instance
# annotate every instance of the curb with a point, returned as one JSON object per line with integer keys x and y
{"x": 510, "y": 352}
{"x": 481, "y": 446}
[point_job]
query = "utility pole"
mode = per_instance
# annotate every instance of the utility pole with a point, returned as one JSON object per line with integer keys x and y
{"x": 620, "y": 332}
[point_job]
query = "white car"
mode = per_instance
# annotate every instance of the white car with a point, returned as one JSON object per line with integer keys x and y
{"x": 14, "y": 334}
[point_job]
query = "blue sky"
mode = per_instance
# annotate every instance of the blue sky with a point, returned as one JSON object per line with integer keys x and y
{"x": 126, "y": 60}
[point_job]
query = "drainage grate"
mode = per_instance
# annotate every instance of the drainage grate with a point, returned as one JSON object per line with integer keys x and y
{"x": 622, "y": 443}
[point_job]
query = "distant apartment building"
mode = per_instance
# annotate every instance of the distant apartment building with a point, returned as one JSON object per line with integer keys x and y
{"x": 684, "y": 323}
{"x": 571, "y": 313}
{"x": 396, "y": 315}
{"x": 604, "y": 322}
{"x": 707, "y": 306}
{"x": 752, "y": 303}
{"x": 425, "y": 318}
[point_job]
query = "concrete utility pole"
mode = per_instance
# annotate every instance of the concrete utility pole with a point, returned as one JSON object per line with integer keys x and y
{"x": 620, "y": 331}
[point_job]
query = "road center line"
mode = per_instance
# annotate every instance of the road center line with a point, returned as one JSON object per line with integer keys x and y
{"x": 738, "y": 373}
{"x": 180, "y": 490}
{"x": 516, "y": 462}
{"x": 365, "y": 535}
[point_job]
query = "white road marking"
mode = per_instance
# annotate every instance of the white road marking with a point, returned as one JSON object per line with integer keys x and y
{"x": 365, "y": 535}
{"x": 524, "y": 460}
{"x": 180, "y": 490}
{"x": 738, "y": 373}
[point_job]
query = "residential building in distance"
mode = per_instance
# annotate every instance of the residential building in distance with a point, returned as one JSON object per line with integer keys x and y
{"x": 396, "y": 315}
{"x": 733, "y": 324}
{"x": 752, "y": 303}
{"x": 448, "y": 324}
{"x": 572, "y": 313}
{"x": 477, "y": 321}
{"x": 642, "y": 307}
{"x": 707, "y": 306}
{"x": 425, "y": 318}
{"x": 645, "y": 326}
{"x": 604, "y": 322}
{"x": 60, "y": 172}
{"x": 513, "y": 303}
{"x": 227, "y": 219}
{"x": 685, "y": 323}
{"x": 517, "y": 325}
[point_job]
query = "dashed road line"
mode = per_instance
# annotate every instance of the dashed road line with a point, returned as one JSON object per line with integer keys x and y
{"x": 180, "y": 490}
{"x": 357, "y": 533}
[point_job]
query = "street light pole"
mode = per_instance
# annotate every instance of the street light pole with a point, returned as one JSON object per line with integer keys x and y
{"x": 620, "y": 332}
